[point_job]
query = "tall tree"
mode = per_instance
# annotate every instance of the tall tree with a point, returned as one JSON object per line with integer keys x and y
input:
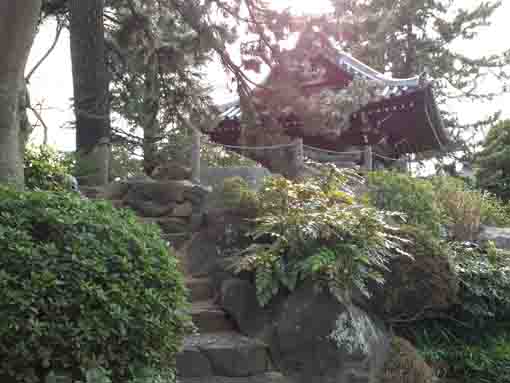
{"x": 91, "y": 94}
{"x": 18, "y": 21}
{"x": 410, "y": 37}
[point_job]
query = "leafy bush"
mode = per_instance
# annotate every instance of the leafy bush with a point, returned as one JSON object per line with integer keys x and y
{"x": 430, "y": 203}
{"x": 484, "y": 276}
{"x": 468, "y": 355}
{"x": 84, "y": 288}
{"x": 317, "y": 230}
{"x": 472, "y": 342}
{"x": 414, "y": 197}
{"x": 236, "y": 194}
{"x": 46, "y": 169}
{"x": 493, "y": 161}
{"x": 464, "y": 208}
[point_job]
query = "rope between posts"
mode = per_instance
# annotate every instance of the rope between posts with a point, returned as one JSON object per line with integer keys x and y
{"x": 332, "y": 151}
{"x": 386, "y": 158}
{"x": 254, "y": 147}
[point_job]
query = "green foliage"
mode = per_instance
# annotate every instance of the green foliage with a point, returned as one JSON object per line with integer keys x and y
{"x": 217, "y": 156}
{"x": 46, "y": 169}
{"x": 462, "y": 204}
{"x": 430, "y": 203}
{"x": 123, "y": 164}
{"x": 416, "y": 198}
{"x": 494, "y": 161}
{"x": 319, "y": 230}
{"x": 471, "y": 343}
{"x": 85, "y": 286}
{"x": 234, "y": 193}
{"x": 468, "y": 355}
{"x": 484, "y": 276}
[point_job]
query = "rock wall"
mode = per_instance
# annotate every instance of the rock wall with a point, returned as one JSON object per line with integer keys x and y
{"x": 178, "y": 206}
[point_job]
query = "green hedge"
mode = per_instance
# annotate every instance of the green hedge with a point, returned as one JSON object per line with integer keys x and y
{"x": 84, "y": 288}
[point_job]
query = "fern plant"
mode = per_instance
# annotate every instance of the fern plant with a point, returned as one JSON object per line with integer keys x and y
{"x": 318, "y": 230}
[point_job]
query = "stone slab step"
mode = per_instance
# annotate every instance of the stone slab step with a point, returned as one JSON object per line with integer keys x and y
{"x": 209, "y": 317}
{"x": 270, "y": 377}
{"x": 228, "y": 354}
{"x": 200, "y": 289}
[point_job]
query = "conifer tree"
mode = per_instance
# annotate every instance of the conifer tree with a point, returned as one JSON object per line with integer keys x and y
{"x": 410, "y": 37}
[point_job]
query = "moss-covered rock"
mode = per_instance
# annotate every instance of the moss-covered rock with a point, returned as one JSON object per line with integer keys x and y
{"x": 405, "y": 365}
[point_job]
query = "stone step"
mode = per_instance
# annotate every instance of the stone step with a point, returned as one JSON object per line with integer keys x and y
{"x": 209, "y": 317}
{"x": 225, "y": 354}
{"x": 200, "y": 289}
{"x": 270, "y": 377}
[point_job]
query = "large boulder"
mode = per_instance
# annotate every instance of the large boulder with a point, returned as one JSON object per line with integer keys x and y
{"x": 500, "y": 236}
{"x": 239, "y": 300}
{"x": 418, "y": 285}
{"x": 311, "y": 335}
{"x": 318, "y": 339}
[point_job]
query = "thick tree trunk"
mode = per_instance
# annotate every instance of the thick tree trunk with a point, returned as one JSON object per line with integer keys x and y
{"x": 90, "y": 81}
{"x": 18, "y": 21}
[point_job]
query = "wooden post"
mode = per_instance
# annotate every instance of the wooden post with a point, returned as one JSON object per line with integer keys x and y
{"x": 298, "y": 157}
{"x": 195, "y": 156}
{"x": 368, "y": 158}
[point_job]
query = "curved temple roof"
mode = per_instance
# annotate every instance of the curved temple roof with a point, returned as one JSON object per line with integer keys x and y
{"x": 414, "y": 116}
{"x": 392, "y": 86}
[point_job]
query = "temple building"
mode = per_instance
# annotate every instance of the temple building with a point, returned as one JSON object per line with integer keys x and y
{"x": 333, "y": 102}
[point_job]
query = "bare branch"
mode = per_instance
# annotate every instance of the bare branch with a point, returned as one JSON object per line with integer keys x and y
{"x": 41, "y": 120}
{"x": 60, "y": 27}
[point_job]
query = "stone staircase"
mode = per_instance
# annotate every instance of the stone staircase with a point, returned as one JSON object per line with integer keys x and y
{"x": 217, "y": 353}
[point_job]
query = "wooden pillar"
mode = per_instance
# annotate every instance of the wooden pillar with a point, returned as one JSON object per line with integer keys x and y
{"x": 368, "y": 158}
{"x": 298, "y": 156}
{"x": 195, "y": 156}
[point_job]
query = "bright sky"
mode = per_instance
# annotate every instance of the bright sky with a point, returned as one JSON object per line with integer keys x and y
{"x": 51, "y": 86}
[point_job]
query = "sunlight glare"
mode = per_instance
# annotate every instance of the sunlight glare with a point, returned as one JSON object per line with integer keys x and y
{"x": 303, "y": 6}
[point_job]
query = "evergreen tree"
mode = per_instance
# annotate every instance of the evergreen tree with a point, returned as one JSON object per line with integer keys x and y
{"x": 409, "y": 37}
{"x": 493, "y": 161}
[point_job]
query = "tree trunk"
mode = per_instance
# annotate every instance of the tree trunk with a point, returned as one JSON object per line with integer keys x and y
{"x": 18, "y": 21}
{"x": 151, "y": 128}
{"x": 91, "y": 96}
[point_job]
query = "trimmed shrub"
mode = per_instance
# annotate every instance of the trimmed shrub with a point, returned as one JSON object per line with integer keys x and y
{"x": 85, "y": 289}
